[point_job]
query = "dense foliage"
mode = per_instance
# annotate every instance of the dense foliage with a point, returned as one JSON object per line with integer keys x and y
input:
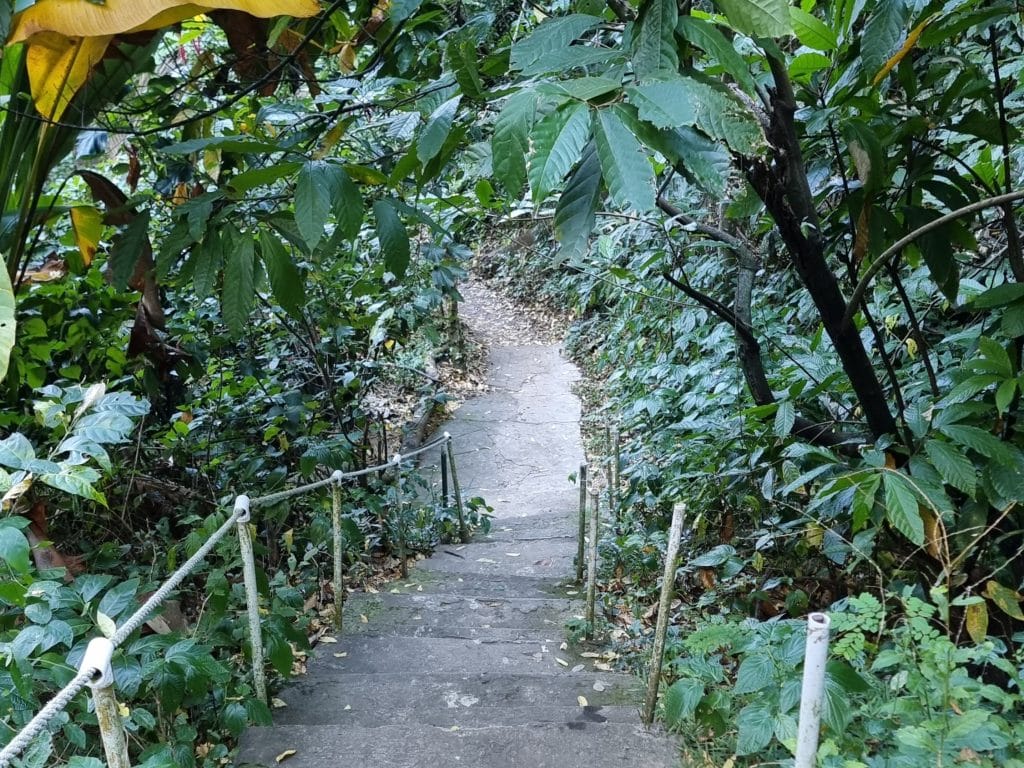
{"x": 790, "y": 232}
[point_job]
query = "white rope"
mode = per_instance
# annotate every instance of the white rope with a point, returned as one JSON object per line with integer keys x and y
{"x": 38, "y": 724}
{"x": 64, "y": 697}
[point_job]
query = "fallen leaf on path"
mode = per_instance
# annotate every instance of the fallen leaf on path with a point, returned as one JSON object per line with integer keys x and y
{"x": 512, "y": 554}
{"x": 277, "y": 703}
{"x": 578, "y": 668}
{"x": 341, "y": 655}
{"x": 285, "y": 755}
{"x": 582, "y": 700}
{"x": 562, "y": 661}
{"x": 328, "y": 639}
{"x": 599, "y": 686}
{"x": 362, "y": 618}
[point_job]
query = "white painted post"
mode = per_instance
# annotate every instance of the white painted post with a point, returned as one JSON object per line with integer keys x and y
{"x": 595, "y": 511}
{"x": 339, "y": 549}
{"x": 252, "y": 596}
{"x": 108, "y": 713}
{"x": 667, "y": 589}
{"x": 400, "y": 521}
{"x": 812, "y": 691}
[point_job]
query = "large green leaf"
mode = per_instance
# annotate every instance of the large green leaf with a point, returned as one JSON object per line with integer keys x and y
{"x": 955, "y": 468}
{"x": 624, "y": 164}
{"x": 550, "y": 37}
{"x": 394, "y": 240}
{"x": 681, "y": 699}
{"x": 313, "y": 199}
{"x": 510, "y": 141}
{"x": 812, "y": 31}
{"x": 755, "y": 724}
{"x": 654, "y": 41}
{"x": 14, "y": 549}
{"x": 684, "y": 101}
{"x": 557, "y": 142}
{"x": 901, "y": 507}
{"x": 462, "y": 59}
{"x": 756, "y": 672}
{"x": 709, "y": 39}
{"x": 128, "y": 247}
{"x": 759, "y": 18}
{"x": 285, "y": 280}
{"x": 436, "y": 130}
{"x": 882, "y": 34}
{"x": 347, "y": 203}
{"x": 206, "y": 261}
{"x": 239, "y": 294}
{"x": 7, "y": 323}
{"x": 575, "y": 213}
{"x": 701, "y": 160}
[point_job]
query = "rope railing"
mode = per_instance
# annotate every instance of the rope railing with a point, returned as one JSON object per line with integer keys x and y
{"x": 95, "y": 670}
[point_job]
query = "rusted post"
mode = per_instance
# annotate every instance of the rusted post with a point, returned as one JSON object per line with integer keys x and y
{"x": 595, "y": 510}
{"x": 580, "y": 553}
{"x": 667, "y": 589}
{"x": 444, "y": 478}
{"x": 457, "y": 490}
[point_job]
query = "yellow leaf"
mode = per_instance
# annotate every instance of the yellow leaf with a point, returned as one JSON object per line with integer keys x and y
{"x": 907, "y": 47}
{"x": 328, "y": 639}
{"x": 285, "y": 755}
{"x": 1006, "y": 599}
{"x": 582, "y": 701}
{"x": 330, "y": 140}
{"x": 87, "y": 224}
{"x": 123, "y": 709}
{"x": 58, "y": 66}
{"x": 562, "y": 661}
{"x": 74, "y": 18}
{"x": 977, "y": 621}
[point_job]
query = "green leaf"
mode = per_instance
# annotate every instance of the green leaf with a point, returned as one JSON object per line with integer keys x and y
{"x": 348, "y": 203}
{"x": 882, "y": 34}
{"x": 436, "y": 130}
{"x": 577, "y": 205}
{"x": 654, "y": 41}
{"x": 207, "y": 258}
{"x": 127, "y": 248}
{"x": 902, "y": 507}
{"x": 549, "y": 37}
{"x": 664, "y": 104}
{"x": 313, "y": 199}
{"x": 720, "y": 50}
{"x": 223, "y": 143}
{"x": 7, "y": 322}
{"x": 285, "y": 280}
{"x": 1006, "y": 599}
{"x": 119, "y": 598}
{"x": 78, "y": 481}
{"x": 681, "y": 700}
{"x": 510, "y": 141}
{"x": 239, "y": 294}
{"x": 956, "y": 469}
{"x": 394, "y": 240}
{"x": 755, "y": 724}
{"x": 759, "y": 18}
{"x": 279, "y": 652}
{"x": 979, "y": 440}
{"x": 624, "y": 164}
{"x": 462, "y": 60}
{"x": 812, "y": 31}
{"x": 557, "y": 142}
{"x": 261, "y": 177}
{"x": 785, "y": 417}
{"x": 1004, "y": 395}
{"x": 16, "y": 452}
{"x": 756, "y": 672}
{"x": 846, "y": 677}
{"x": 15, "y": 550}
{"x": 996, "y": 354}
{"x": 581, "y": 88}
{"x": 1001, "y": 295}
{"x": 704, "y": 162}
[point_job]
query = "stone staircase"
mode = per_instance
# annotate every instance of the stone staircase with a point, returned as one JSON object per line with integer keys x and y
{"x": 466, "y": 663}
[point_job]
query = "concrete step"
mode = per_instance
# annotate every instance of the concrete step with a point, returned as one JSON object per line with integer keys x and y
{"x": 391, "y": 698}
{"x": 547, "y": 558}
{"x": 579, "y": 744}
{"x": 534, "y": 528}
{"x": 481, "y": 585}
{"x": 432, "y": 614}
{"x": 412, "y": 655}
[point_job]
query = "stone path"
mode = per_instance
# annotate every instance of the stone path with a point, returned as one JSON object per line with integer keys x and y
{"x": 465, "y": 663}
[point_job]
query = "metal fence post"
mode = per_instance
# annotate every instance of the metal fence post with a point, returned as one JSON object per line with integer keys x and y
{"x": 252, "y": 596}
{"x": 595, "y": 511}
{"x": 401, "y": 517}
{"x": 616, "y": 451}
{"x": 456, "y": 489}
{"x": 339, "y": 549}
{"x": 667, "y": 588}
{"x": 580, "y": 553}
{"x": 108, "y": 713}
{"x": 444, "y": 479}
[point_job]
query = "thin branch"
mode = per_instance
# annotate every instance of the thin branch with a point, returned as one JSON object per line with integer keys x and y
{"x": 903, "y": 242}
